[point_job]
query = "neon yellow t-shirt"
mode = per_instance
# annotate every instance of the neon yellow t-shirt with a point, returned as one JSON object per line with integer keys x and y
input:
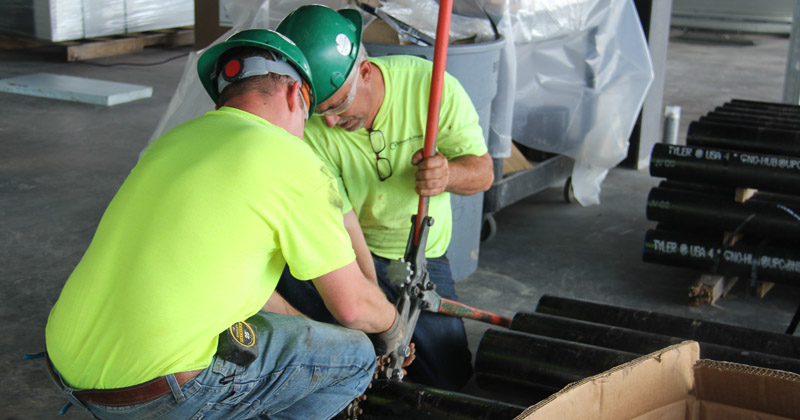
{"x": 194, "y": 240}
{"x": 385, "y": 208}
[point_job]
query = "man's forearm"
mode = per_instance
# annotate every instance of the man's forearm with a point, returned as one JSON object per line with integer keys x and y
{"x": 470, "y": 174}
{"x": 363, "y": 255}
{"x": 355, "y": 301}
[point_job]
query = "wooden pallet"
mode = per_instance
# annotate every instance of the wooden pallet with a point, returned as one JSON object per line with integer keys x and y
{"x": 708, "y": 288}
{"x": 108, "y": 46}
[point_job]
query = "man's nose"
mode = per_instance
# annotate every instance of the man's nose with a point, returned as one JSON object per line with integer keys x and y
{"x": 331, "y": 120}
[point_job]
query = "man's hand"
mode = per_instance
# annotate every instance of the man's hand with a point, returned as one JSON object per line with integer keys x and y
{"x": 410, "y": 357}
{"x": 433, "y": 174}
{"x": 385, "y": 360}
{"x": 386, "y": 342}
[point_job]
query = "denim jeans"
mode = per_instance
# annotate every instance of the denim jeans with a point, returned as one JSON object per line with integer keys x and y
{"x": 443, "y": 357}
{"x": 305, "y": 370}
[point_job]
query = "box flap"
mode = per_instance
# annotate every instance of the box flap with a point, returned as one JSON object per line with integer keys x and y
{"x": 672, "y": 411}
{"x": 752, "y": 388}
{"x": 708, "y": 410}
{"x": 659, "y": 381}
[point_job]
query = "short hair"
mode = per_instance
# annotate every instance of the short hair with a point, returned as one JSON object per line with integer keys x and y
{"x": 265, "y": 84}
{"x": 361, "y": 57}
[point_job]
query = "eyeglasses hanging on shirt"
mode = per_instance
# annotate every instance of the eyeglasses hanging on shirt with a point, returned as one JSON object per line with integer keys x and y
{"x": 382, "y": 165}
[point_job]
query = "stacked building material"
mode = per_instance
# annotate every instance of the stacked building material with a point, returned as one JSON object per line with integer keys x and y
{"x": 566, "y": 340}
{"x": 64, "y": 20}
{"x": 731, "y": 203}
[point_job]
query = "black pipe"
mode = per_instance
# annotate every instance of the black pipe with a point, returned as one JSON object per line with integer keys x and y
{"x": 743, "y": 138}
{"x": 751, "y": 111}
{"x": 527, "y": 360}
{"x": 392, "y": 400}
{"x": 790, "y": 201}
{"x": 639, "y": 342}
{"x": 729, "y": 193}
{"x": 671, "y": 325}
{"x": 769, "y": 106}
{"x": 735, "y": 107}
{"x": 509, "y": 390}
{"x": 753, "y": 102}
{"x": 738, "y": 115}
{"x": 760, "y": 112}
{"x": 708, "y": 254}
{"x": 757, "y": 114}
{"x": 726, "y": 168}
{"x": 749, "y": 122}
{"x": 755, "y": 219}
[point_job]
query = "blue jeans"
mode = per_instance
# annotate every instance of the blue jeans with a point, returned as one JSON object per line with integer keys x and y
{"x": 443, "y": 357}
{"x": 305, "y": 370}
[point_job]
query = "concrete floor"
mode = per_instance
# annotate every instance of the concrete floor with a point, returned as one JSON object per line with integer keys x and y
{"x": 61, "y": 162}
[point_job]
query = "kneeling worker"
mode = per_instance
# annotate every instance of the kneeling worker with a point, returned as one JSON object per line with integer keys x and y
{"x": 172, "y": 313}
{"x": 369, "y": 130}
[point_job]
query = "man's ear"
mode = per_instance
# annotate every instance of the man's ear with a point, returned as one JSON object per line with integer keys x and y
{"x": 365, "y": 70}
{"x": 293, "y": 96}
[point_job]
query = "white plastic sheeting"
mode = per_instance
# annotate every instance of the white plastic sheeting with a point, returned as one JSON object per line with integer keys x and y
{"x": 423, "y": 15}
{"x": 583, "y": 70}
{"x": 572, "y": 82}
{"x": 63, "y": 20}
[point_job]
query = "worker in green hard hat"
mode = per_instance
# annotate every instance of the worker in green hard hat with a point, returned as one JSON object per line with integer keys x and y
{"x": 171, "y": 312}
{"x": 369, "y": 130}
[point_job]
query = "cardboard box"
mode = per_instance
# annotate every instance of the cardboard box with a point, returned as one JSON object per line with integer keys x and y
{"x": 379, "y": 32}
{"x": 672, "y": 384}
{"x": 516, "y": 162}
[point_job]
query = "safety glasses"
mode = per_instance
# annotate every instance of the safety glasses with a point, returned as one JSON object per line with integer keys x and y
{"x": 348, "y": 101}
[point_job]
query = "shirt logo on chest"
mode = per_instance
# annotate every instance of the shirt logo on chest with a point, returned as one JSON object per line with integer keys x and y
{"x": 395, "y": 144}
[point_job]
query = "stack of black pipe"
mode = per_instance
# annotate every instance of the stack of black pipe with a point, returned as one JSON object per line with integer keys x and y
{"x": 392, "y": 400}
{"x": 567, "y": 339}
{"x": 742, "y": 144}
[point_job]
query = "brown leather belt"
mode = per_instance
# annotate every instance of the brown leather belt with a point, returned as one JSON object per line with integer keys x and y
{"x": 131, "y": 395}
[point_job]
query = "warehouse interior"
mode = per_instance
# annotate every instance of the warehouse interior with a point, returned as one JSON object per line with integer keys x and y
{"x": 62, "y": 161}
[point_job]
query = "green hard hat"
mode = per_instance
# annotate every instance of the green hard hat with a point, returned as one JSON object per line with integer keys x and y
{"x": 329, "y": 39}
{"x": 207, "y": 66}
